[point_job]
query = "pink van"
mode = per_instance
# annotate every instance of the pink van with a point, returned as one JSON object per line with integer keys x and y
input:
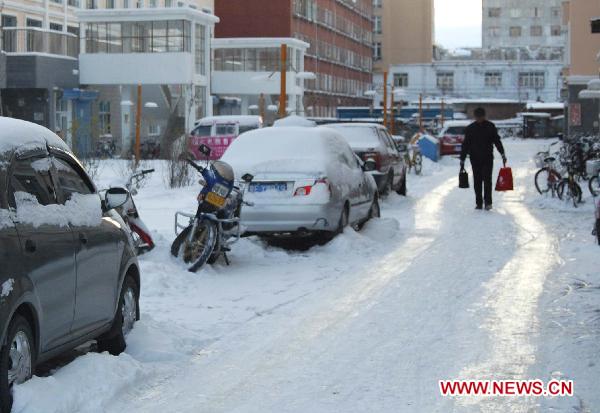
{"x": 217, "y": 132}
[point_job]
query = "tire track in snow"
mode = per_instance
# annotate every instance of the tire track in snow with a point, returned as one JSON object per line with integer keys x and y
{"x": 222, "y": 373}
{"x": 512, "y": 305}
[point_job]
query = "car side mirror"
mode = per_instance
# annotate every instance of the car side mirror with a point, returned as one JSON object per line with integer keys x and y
{"x": 115, "y": 198}
{"x": 247, "y": 178}
{"x": 369, "y": 165}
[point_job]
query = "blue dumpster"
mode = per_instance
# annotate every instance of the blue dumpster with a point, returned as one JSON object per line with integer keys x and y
{"x": 430, "y": 147}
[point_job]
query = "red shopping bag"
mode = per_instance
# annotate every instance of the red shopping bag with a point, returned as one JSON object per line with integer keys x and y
{"x": 505, "y": 180}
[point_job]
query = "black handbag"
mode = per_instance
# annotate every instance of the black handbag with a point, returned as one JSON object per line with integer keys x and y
{"x": 463, "y": 179}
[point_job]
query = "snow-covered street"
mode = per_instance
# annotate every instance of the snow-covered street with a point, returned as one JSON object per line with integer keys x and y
{"x": 370, "y": 322}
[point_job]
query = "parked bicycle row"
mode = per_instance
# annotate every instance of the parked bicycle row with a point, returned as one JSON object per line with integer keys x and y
{"x": 567, "y": 165}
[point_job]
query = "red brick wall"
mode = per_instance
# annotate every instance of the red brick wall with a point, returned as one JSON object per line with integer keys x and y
{"x": 254, "y": 18}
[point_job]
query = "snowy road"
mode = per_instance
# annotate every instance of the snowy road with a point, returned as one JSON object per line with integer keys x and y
{"x": 369, "y": 323}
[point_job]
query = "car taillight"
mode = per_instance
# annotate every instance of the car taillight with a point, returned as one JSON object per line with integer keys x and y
{"x": 372, "y": 155}
{"x": 307, "y": 189}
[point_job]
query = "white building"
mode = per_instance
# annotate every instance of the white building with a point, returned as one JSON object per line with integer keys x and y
{"x": 522, "y": 81}
{"x": 523, "y": 23}
{"x": 164, "y": 49}
{"x": 246, "y": 68}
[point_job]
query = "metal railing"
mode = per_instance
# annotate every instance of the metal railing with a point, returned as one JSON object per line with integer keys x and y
{"x": 36, "y": 40}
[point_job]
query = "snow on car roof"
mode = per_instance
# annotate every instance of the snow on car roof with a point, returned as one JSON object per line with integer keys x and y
{"x": 274, "y": 149}
{"x": 295, "y": 120}
{"x": 451, "y": 123}
{"x": 245, "y": 120}
{"x": 16, "y": 133}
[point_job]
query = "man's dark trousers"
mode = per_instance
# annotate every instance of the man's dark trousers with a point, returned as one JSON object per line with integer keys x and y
{"x": 482, "y": 180}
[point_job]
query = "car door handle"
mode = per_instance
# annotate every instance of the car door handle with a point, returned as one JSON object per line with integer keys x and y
{"x": 30, "y": 246}
{"x": 83, "y": 238}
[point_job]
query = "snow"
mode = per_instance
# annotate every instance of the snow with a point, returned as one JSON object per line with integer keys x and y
{"x": 294, "y": 120}
{"x": 367, "y": 323}
{"x": 15, "y": 133}
{"x": 6, "y": 288}
{"x": 79, "y": 210}
{"x": 239, "y": 119}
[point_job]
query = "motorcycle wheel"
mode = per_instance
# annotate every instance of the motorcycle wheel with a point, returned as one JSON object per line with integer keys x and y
{"x": 197, "y": 251}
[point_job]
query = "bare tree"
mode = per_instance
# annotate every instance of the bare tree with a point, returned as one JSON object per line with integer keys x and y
{"x": 178, "y": 173}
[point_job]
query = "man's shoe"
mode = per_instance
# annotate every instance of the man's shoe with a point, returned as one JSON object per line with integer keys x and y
{"x": 478, "y": 207}
{"x": 488, "y": 207}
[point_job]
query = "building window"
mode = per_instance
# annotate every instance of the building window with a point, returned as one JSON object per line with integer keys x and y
{"x": 110, "y": 4}
{"x": 493, "y": 79}
{"x": 73, "y": 3}
{"x": 494, "y": 12}
{"x": 515, "y": 31}
{"x": 556, "y": 30}
{"x": 401, "y": 79}
{"x": 377, "y": 4}
{"x": 92, "y": 4}
{"x": 200, "y": 51}
{"x": 532, "y": 80}
{"x": 537, "y": 12}
{"x": 494, "y": 31}
{"x": 536, "y": 31}
{"x": 515, "y": 13}
{"x": 104, "y": 118}
{"x": 33, "y": 23}
{"x": 168, "y": 3}
{"x": 378, "y": 25}
{"x": 556, "y": 12}
{"x": 56, "y": 27}
{"x": 377, "y": 51}
{"x": 153, "y": 129}
{"x": 153, "y": 3}
{"x": 445, "y": 81}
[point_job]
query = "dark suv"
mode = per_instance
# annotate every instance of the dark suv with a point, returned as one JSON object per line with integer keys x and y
{"x": 371, "y": 141}
{"x": 68, "y": 271}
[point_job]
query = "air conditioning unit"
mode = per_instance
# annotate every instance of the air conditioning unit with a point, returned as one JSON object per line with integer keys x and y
{"x": 596, "y": 25}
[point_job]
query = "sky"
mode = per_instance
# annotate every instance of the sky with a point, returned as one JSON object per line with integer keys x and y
{"x": 458, "y": 23}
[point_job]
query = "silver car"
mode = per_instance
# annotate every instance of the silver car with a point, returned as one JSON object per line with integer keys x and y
{"x": 306, "y": 180}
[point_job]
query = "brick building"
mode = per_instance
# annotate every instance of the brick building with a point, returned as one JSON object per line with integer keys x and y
{"x": 339, "y": 33}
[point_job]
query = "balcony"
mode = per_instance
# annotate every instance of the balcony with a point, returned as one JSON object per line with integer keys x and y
{"x": 33, "y": 40}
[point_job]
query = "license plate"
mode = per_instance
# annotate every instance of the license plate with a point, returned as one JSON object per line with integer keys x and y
{"x": 458, "y": 148}
{"x": 215, "y": 200}
{"x": 266, "y": 187}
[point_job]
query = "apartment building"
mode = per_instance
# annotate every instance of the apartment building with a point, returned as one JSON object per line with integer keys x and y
{"x": 582, "y": 64}
{"x": 403, "y": 33}
{"x": 339, "y": 33}
{"x": 528, "y": 24}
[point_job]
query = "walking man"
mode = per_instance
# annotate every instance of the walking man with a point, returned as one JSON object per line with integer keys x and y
{"x": 480, "y": 138}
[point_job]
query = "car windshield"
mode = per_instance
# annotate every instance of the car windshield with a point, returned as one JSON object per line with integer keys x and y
{"x": 456, "y": 130}
{"x": 359, "y": 136}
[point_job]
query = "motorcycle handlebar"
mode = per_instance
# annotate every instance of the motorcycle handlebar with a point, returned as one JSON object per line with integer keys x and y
{"x": 147, "y": 171}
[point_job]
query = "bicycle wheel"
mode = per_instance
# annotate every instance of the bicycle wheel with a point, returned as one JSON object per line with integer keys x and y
{"x": 418, "y": 163}
{"x": 569, "y": 191}
{"x": 545, "y": 179}
{"x": 594, "y": 185}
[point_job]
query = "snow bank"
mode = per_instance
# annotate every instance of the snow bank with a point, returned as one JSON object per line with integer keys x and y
{"x": 7, "y": 287}
{"x": 88, "y": 385}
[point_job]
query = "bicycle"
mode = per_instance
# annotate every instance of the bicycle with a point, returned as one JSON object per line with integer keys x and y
{"x": 414, "y": 159}
{"x": 548, "y": 178}
{"x": 568, "y": 189}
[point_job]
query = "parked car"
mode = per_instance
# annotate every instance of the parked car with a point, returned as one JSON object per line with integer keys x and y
{"x": 452, "y": 136}
{"x": 372, "y": 141}
{"x": 69, "y": 272}
{"x": 217, "y": 132}
{"x": 306, "y": 181}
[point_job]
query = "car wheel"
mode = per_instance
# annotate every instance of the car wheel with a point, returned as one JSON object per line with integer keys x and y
{"x": 17, "y": 359}
{"x": 344, "y": 220}
{"x": 127, "y": 314}
{"x": 402, "y": 189}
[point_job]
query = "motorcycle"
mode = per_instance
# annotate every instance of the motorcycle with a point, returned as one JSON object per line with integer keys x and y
{"x": 208, "y": 234}
{"x": 141, "y": 234}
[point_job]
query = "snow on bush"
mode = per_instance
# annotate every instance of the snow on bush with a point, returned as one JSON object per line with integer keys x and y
{"x": 79, "y": 210}
{"x": 7, "y": 287}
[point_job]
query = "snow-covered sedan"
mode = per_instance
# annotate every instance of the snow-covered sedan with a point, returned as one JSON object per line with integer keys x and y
{"x": 306, "y": 180}
{"x": 68, "y": 269}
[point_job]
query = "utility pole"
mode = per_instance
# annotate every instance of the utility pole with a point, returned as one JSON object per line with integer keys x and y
{"x": 443, "y": 109}
{"x": 385, "y": 79}
{"x": 283, "y": 91}
{"x": 261, "y": 106}
{"x": 138, "y": 124}
{"x": 392, "y": 116}
{"x": 421, "y": 112}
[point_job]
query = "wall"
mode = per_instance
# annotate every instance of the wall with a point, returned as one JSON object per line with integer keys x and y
{"x": 256, "y": 18}
{"x": 2, "y": 70}
{"x": 584, "y": 46}
{"x": 408, "y": 32}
